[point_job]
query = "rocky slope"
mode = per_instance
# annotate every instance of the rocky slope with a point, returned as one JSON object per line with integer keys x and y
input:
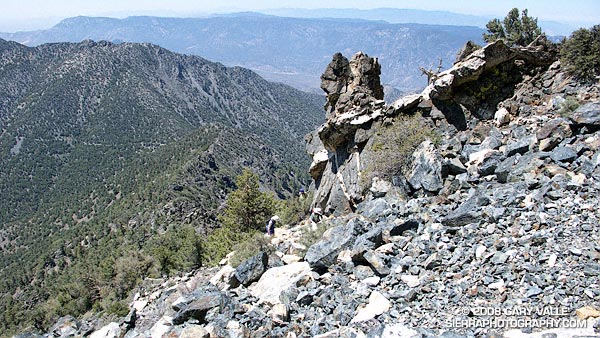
{"x": 288, "y": 50}
{"x": 102, "y": 145}
{"x": 491, "y": 231}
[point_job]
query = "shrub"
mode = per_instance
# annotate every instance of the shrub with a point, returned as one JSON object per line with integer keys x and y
{"x": 580, "y": 54}
{"x": 178, "y": 249}
{"x": 249, "y": 247}
{"x": 394, "y": 145}
{"x": 513, "y": 29}
{"x": 311, "y": 236}
{"x": 294, "y": 210}
{"x": 568, "y": 106}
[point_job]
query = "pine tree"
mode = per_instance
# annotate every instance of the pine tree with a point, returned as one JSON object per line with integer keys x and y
{"x": 248, "y": 209}
{"x": 580, "y": 53}
{"x": 513, "y": 29}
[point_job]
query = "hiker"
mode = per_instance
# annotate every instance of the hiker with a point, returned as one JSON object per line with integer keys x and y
{"x": 271, "y": 225}
{"x": 302, "y": 194}
{"x": 316, "y": 214}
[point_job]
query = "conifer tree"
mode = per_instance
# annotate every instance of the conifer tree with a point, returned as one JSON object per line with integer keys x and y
{"x": 248, "y": 209}
{"x": 514, "y": 30}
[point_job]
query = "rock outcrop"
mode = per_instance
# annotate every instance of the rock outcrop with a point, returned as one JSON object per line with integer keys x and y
{"x": 490, "y": 219}
{"x": 471, "y": 91}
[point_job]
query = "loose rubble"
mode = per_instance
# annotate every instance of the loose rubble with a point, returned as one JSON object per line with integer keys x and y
{"x": 497, "y": 222}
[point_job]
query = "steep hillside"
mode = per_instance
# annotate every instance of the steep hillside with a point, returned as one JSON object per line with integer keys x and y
{"x": 289, "y": 50}
{"x": 482, "y": 221}
{"x": 104, "y": 145}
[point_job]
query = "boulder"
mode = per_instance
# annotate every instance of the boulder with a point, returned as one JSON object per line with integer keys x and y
{"x": 280, "y": 313}
{"x": 563, "y": 154}
{"x": 194, "y": 331}
{"x": 377, "y": 305}
{"x": 365, "y": 242}
{"x": 276, "y": 280}
{"x": 111, "y": 330}
{"x": 468, "y": 212}
{"x": 376, "y": 262}
{"x": 454, "y": 166}
{"x": 324, "y": 253}
{"x": 501, "y": 117}
{"x": 225, "y": 278}
{"x": 251, "y": 270}
{"x": 519, "y": 147}
{"x": 66, "y": 326}
{"x": 198, "y": 304}
{"x": 426, "y": 172}
{"x": 380, "y": 187}
{"x": 587, "y": 114}
{"x": 503, "y": 169}
{"x": 553, "y": 132}
{"x": 490, "y": 163}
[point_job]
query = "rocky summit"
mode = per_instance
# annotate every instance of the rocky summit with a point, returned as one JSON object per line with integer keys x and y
{"x": 490, "y": 228}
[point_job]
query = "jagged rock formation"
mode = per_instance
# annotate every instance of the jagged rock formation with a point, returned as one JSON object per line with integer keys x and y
{"x": 498, "y": 215}
{"x": 468, "y": 92}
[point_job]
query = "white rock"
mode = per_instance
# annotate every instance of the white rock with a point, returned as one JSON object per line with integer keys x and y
{"x": 410, "y": 280}
{"x": 234, "y": 329}
{"x": 222, "y": 278}
{"x": 161, "y": 327}
{"x": 194, "y": 331}
{"x": 502, "y": 117}
{"x": 280, "y": 313}
{"x": 289, "y": 259}
{"x": 478, "y": 157}
{"x": 345, "y": 256}
{"x": 386, "y": 248}
{"x": 139, "y": 305}
{"x": 378, "y": 304}
{"x": 111, "y": 330}
{"x": 498, "y": 286}
{"x": 343, "y": 332}
{"x": 479, "y": 251}
{"x": 371, "y": 281}
{"x": 398, "y": 330}
{"x": 552, "y": 260}
{"x": 278, "y": 279}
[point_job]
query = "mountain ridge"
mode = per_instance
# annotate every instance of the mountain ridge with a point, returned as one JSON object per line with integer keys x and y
{"x": 105, "y": 147}
{"x": 302, "y": 44}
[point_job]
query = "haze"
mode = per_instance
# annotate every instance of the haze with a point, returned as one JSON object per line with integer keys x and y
{"x": 39, "y": 14}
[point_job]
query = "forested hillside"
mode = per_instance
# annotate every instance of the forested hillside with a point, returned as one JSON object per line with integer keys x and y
{"x": 105, "y": 146}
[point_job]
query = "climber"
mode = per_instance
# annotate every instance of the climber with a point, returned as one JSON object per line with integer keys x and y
{"x": 271, "y": 225}
{"x": 302, "y": 194}
{"x": 316, "y": 214}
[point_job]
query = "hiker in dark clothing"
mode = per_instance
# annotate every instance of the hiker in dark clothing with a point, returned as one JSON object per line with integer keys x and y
{"x": 271, "y": 225}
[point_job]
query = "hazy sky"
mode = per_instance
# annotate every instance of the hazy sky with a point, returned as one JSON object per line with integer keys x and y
{"x": 29, "y": 14}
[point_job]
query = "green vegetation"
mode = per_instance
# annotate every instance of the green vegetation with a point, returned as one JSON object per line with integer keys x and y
{"x": 247, "y": 207}
{"x": 311, "y": 235}
{"x": 580, "y": 54}
{"x": 251, "y": 246}
{"x": 119, "y": 175}
{"x": 567, "y": 107}
{"x": 394, "y": 145}
{"x": 243, "y": 220}
{"x": 514, "y": 30}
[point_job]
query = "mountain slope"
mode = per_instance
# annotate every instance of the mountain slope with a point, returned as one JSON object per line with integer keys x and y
{"x": 289, "y": 50}
{"x": 105, "y": 145}
{"x": 404, "y": 15}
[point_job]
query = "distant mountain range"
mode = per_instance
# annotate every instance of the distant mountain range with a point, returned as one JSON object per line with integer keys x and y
{"x": 103, "y": 145}
{"x": 290, "y": 50}
{"x": 396, "y": 15}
